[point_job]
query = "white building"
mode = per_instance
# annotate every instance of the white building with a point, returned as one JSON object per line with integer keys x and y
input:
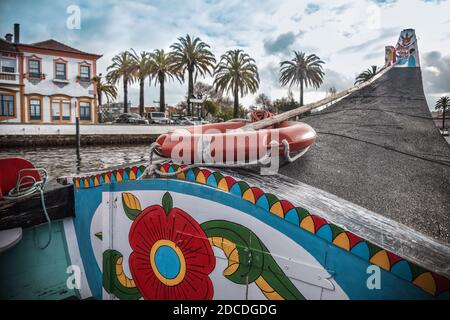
{"x": 46, "y": 82}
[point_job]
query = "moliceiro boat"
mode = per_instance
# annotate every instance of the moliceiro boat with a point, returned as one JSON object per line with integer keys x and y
{"x": 179, "y": 228}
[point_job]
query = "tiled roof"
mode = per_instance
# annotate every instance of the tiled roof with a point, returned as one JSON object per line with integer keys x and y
{"x": 7, "y": 46}
{"x": 56, "y": 45}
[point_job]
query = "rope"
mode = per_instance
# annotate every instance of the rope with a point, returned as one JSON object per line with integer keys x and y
{"x": 443, "y": 163}
{"x": 155, "y": 147}
{"x": 25, "y": 189}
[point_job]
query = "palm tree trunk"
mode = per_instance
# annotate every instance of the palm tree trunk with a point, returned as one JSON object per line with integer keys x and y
{"x": 99, "y": 106}
{"x": 190, "y": 89}
{"x": 443, "y": 118}
{"x": 236, "y": 102}
{"x": 301, "y": 93}
{"x": 141, "y": 96}
{"x": 125, "y": 95}
{"x": 162, "y": 98}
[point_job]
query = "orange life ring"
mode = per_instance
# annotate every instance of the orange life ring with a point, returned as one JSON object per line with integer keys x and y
{"x": 226, "y": 143}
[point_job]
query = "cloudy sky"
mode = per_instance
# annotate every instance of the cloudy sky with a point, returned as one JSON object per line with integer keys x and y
{"x": 349, "y": 35}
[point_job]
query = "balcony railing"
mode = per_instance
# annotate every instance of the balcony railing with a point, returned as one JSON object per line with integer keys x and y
{"x": 36, "y": 76}
{"x": 8, "y": 76}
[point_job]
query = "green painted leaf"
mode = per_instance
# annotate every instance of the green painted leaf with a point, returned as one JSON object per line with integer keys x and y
{"x": 255, "y": 259}
{"x": 131, "y": 205}
{"x": 110, "y": 281}
{"x": 278, "y": 280}
{"x": 167, "y": 202}
{"x": 99, "y": 235}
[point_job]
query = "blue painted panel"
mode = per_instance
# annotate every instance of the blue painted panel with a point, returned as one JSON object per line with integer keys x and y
{"x": 349, "y": 270}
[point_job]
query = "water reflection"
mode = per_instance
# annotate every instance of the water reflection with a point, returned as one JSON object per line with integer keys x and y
{"x": 60, "y": 161}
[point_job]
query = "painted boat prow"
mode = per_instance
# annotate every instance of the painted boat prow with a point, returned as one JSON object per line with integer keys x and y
{"x": 297, "y": 254}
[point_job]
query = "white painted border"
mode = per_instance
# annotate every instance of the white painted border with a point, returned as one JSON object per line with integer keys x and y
{"x": 75, "y": 257}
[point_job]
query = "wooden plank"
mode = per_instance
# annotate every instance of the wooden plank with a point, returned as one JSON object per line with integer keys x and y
{"x": 28, "y": 212}
{"x": 301, "y": 110}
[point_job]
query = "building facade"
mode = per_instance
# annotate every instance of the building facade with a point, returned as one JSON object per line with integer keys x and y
{"x": 46, "y": 82}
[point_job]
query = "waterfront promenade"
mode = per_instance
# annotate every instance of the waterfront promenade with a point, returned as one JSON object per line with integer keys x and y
{"x": 91, "y": 134}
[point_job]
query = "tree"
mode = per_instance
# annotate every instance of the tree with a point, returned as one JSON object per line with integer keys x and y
{"x": 210, "y": 96}
{"x": 162, "y": 68}
{"x": 141, "y": 70}
{"x": 236, "y": 73}
{"x": 367, "y": 75}
{"x": 194, "y": 56}
{"x": 443, "y": 104}
{"x": 303, "y": 71}
{"x": 122, "y": 68}
{"x": 285, "y": 104}
{"x": 207, "y": 91}
{"x": 104, "y": 88}
{"x": 264, "y": 102}
{"x": 211, "y": 107}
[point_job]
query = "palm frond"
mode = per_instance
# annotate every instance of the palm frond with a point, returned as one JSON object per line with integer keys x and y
{"x": 367, "y": 75}
{"x": 302, "y": 69}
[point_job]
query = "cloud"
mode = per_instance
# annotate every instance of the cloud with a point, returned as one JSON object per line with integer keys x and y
{"x": 384, "y": 2}
{"x": 349, "y": 35}
{"x": 312, "y": 8}
{"x": 333, "y": 79}
{"x": 436, "y": 72}
{"x": 357, "y": 48}
{"x": 342, "y": 8}
{"x": 434, "y": 1}
{"x": 283, "y": 43}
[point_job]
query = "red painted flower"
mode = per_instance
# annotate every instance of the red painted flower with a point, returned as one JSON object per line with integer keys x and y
{"x": 171, "y": 256}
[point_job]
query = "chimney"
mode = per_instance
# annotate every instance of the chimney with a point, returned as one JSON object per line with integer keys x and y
{"x": 16, "y": 33}
{"x": 8, "y": 37}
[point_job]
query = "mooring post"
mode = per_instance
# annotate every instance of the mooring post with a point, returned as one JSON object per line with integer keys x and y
{"x": 77, "y": 136}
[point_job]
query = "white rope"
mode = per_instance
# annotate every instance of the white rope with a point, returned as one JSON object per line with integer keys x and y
{"x": 152, "y": 167}
{"x": 25, "y": 189}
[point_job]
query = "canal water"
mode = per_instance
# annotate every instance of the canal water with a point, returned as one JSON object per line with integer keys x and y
{"x": 60, "y": 161}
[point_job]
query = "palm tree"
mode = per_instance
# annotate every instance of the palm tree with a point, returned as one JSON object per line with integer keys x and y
{"x": 367, "y": 75}
{"x": 106, "y": 88}
{"x": 238, "y": 73}
{"x": 192, "y": 55}
{"x": 141, "y": 70}
{"x": 444, "y": 104}
{"x": 122, "y": 67}
{"x": 302, "y": 70}
{"x": 161, "y": 69}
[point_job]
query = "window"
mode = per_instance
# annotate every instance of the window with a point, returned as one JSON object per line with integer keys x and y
{"x": 85, "y": 73}
{"x": 34, "y": 68}
{"x": 60, "y": 109}
{"x": 85, "y": 110}
{"x": 6, "y": 106}
{"x": 60, "y": 71}
{"x": 35, "y": 109}
{"x": 65, "y": 110}
{"x": 8, "y": 65}
{"x": 56, "y": 111}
